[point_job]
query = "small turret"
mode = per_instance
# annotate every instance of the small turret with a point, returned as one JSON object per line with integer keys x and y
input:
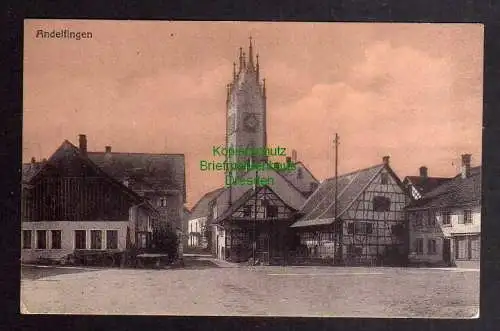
{"x": 250, "y": 54}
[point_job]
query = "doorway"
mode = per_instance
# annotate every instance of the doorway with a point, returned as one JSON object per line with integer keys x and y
{"x": 447, "y": 251}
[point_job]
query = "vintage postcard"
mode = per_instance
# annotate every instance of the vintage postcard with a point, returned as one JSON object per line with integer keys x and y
{"x": 251, "y": 169}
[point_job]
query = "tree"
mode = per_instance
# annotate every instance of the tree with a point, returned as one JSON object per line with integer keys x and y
{"x": 165, "y": 241}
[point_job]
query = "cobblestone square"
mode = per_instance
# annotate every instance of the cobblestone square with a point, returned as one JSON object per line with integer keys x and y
{"x": 210, "y": 289}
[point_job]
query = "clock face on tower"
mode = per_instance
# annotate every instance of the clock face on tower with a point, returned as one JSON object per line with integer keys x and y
{"x": 250, "y": 122}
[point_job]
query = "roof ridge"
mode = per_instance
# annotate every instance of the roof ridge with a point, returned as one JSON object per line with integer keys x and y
{"x": 356, "y": 171}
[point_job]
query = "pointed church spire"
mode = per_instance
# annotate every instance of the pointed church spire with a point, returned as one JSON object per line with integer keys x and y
{"x": 241, "y": 60}
{"x": 250, "y": 53}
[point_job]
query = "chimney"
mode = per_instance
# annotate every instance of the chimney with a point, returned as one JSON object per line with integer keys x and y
{"x": 385, "y": 160}
{"x": 288, "y": 159}
{"x": 107, "y": 149}
{"x": 294, "y": 155}
{"x": 423, "y": 171}
{"x": 83, "y": 144}
{"x": 466, "y": 158}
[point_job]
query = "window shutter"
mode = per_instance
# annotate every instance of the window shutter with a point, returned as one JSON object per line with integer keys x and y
{"x": 369, "y": 227}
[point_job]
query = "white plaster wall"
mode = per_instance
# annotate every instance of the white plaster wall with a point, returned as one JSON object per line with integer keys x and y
{"x": 68, "y": 237}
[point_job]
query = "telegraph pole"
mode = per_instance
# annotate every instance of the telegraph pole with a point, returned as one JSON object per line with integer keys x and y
{"x": 254, "y": 244}
{"x": 338, "y": 224}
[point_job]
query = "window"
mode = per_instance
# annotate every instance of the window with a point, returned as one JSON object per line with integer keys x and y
{"x": 95, "y": 239}
{"x": 419, "y": 246}
{"x": 26, "y": 239}
{"x": 381, "y": 204}
{"x": 56, "y": 239}
{"x": 467, "y": 216}
{"x": 431, "y": 246}
{"x": 272, "y": 211}
{"x": 419, "y": 218}
{"x": 80, "y": 239}
{"x": 354, "y": 250}
{"x": 350, "y": 228}
{"x": 384, "y": 178}
{"x": 446, "y": 218}
{"x": 143, "y": 240}
{"x": 360, "y": 228}
{"x": 41, "y": 239}
{"x": 111, "y": 239}
{"x": 162, "y": 202}
{"x": 431, "y": 220}
{"x": 247, "y": 211}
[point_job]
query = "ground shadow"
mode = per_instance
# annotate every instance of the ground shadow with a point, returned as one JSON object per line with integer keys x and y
{"x": 38, "y": 272}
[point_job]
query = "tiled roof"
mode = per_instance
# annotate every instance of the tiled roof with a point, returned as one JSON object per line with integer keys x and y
{"x": 144, "y": 170}
{"x": 30, "y": 169}
{"x": 426, "y": 184}
{"x": 69, "y": 158}
{"x": 201, "y": 208}
{"x": 319, "y": 209}
{"x": 454, "y": 193}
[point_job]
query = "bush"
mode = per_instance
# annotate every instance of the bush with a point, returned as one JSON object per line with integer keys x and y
{"x": 165, "y": 241}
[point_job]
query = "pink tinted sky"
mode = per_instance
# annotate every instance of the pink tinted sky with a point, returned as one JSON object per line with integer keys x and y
{"x": 411, "y": 91}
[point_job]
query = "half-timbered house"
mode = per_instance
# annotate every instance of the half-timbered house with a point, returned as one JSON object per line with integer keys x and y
{"x": 253, "y": 222}
{"x": 445, "y": 224}
{"x": 357, "y": 218}
{"x": 68, "y": 203}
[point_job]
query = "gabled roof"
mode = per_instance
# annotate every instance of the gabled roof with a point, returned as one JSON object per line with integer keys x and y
{"x": 144, "y": 170}
{"x": 202, "y": 207}
{"x": 456, "y": 192}
{"x": 319, "y": 209}
{"x": 250, "y": 193}
{"x": 64, "y": 155}
{"x": 425, "y": 184}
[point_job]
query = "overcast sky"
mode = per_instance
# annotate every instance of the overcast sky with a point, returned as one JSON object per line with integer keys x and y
{"x": 411, "y": 91}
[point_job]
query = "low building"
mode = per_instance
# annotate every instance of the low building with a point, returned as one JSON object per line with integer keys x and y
{"x": 357, "y": 218}
{"x": 445, "y": 224}
{"x": 68, "y": 204}
{"x": 157, "y": 177}
{"x": 199, "y": 220}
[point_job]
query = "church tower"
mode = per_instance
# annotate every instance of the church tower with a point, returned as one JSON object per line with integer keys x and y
{"x": 246, "y": 109}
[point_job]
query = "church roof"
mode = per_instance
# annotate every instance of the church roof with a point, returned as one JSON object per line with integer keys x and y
{"x": 144, "y": 171}
{"x": 319, "y": 209}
